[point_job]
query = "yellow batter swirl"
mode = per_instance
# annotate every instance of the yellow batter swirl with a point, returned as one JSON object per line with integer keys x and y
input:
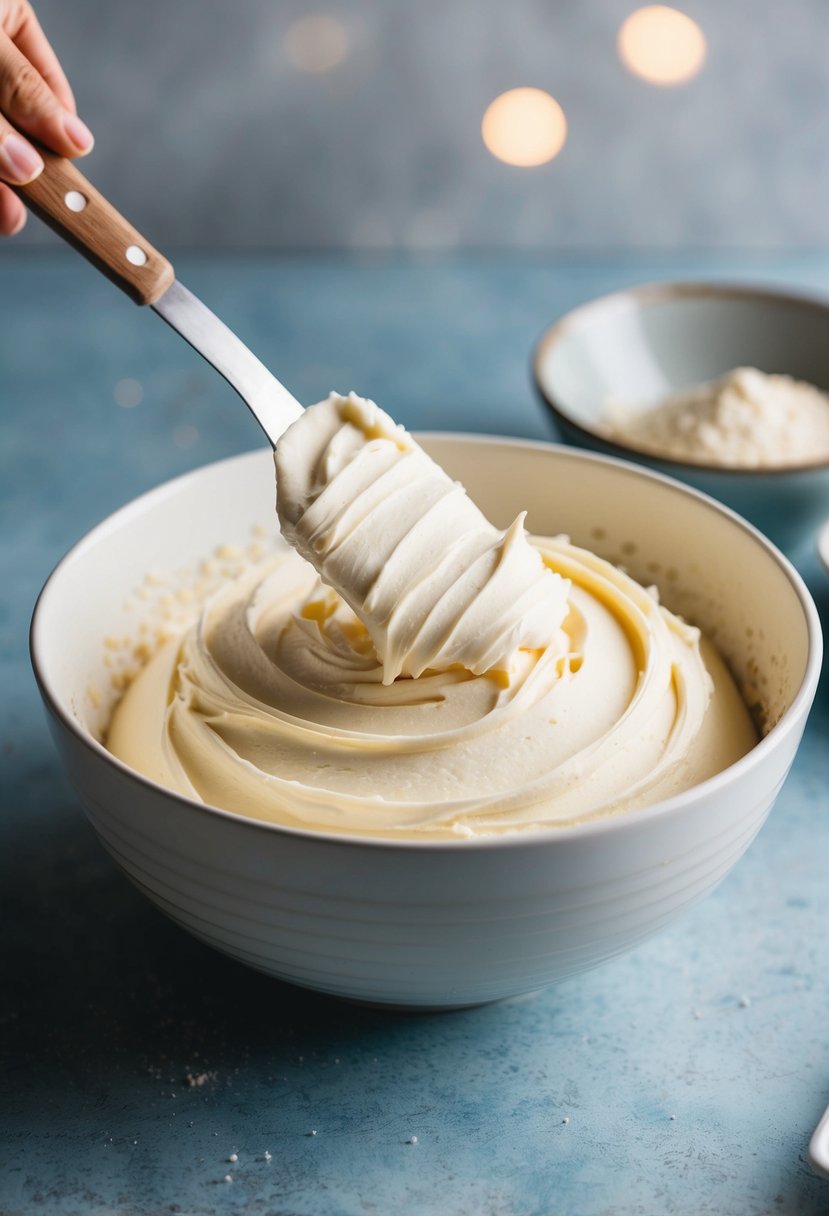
{"x": 275, "y": 707}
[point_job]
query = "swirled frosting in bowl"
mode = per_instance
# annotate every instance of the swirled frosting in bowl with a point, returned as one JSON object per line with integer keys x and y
{"x": 277, "y": 704}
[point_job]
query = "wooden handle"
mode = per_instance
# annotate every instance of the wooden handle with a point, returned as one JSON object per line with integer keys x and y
{"x": 63, "y": 198}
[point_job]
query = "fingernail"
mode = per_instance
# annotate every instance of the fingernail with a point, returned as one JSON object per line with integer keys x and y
{"x": 78, "y": 132}
{"x": 19, "y": 162}
{"x": 21, "y": 223}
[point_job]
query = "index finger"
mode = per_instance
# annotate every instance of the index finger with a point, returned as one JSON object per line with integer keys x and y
{"x": 29, "y": 38}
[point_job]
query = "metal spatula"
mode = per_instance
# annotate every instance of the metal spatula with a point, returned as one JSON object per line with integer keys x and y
{"x": 68, "y": 203}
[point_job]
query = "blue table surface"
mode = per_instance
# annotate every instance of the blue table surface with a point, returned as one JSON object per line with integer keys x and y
{"x": 685, "y": 1077}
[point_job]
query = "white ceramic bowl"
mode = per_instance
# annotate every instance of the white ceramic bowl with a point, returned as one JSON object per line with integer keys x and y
{"x": 647, "y": 342}
{"x": 437, "y": 924}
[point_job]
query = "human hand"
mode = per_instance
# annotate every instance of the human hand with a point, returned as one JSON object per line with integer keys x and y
{"x": 35, "y": 97}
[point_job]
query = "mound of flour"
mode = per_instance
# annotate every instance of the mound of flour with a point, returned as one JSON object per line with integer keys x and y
{"x": 745, "y": 419}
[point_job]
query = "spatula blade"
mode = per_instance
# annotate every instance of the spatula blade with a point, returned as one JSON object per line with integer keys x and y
{"x": 271, "y": 404}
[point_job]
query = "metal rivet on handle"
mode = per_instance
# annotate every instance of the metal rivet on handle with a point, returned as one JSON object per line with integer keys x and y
{"x": 136, "y": 255}
{"x": 74, "y": 200}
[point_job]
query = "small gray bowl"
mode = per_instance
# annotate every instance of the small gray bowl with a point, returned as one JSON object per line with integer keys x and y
{"x": 656, "y": 339}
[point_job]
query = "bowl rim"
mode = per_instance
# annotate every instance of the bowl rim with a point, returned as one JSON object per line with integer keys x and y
{"x": 653, "y": 293}
{"x": 526, "y": 838}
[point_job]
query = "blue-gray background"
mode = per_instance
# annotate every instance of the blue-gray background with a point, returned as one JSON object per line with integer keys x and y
{"x": 209, "y": 136}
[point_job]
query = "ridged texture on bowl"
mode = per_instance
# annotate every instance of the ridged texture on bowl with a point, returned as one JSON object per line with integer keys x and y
{"x": 409, "y": 926}
{"x": 438, "y": 924}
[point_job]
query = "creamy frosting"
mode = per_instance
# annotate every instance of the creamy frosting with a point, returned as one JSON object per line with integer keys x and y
{"x": 275, "y": 706}
{"x": 409, "y": 670}
{"x": 436, "y": 585}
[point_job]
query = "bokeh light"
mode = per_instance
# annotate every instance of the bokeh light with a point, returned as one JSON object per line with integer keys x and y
{"x": 662, "y": 45}
{"x": 316, "y": 43}
{"x": 128, "y": 393}
{"x": 186, "y": 436}
{"x": 524, "y": 127}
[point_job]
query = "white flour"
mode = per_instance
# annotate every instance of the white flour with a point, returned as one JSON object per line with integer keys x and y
{"x": 746, "y": 419}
